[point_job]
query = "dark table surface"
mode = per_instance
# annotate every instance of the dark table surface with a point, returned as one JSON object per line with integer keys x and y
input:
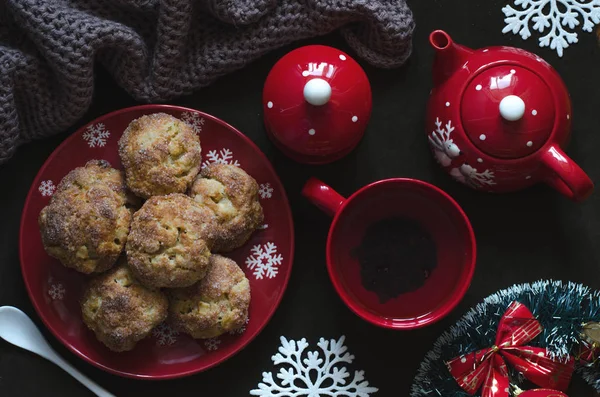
{"x": 522, "y": 237}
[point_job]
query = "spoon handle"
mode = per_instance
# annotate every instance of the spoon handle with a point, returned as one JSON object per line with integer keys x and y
{"x": 84, "y": 380}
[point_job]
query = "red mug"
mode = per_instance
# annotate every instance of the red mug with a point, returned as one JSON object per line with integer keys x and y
{"x": 422, "y": 202}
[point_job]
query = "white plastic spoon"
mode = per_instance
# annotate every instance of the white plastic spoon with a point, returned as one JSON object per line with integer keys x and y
{"x": 17, "y": 328}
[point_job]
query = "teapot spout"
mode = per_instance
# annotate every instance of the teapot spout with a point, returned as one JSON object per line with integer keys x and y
{"x": 450, "y": 57}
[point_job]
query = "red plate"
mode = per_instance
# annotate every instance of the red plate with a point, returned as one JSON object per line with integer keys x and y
{"x": 266, "y": 258}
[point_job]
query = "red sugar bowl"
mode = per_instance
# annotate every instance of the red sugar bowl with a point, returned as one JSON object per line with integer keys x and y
{"x": 435, "y": 211}
{"x": 316, "y": 104}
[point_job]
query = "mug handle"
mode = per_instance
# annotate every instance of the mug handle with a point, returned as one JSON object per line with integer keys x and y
{"x": 323, "y": 196}
{"x": 566, "y": 177}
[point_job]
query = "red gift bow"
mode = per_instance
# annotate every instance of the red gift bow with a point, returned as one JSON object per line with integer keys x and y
{"x": 486, "y": 369}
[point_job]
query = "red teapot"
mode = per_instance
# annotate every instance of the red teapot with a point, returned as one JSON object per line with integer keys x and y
{"x": 499, "y": 118}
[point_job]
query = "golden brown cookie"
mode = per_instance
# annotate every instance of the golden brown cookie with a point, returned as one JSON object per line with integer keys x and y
{"x": 120, "y": 310}
{"x": 232, "y": 195}
{"x": 169, "y": 242}
{"x": 161, "y": 154}
{"x": 86, "y": 223}
{"x": 217, "y": 304}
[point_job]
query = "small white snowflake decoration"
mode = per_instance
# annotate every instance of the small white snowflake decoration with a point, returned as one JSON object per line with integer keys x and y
{"x": 212, "y": 344}
{"x": 553, "y": 16}
{"x": 194, "y": 120}
{"x": 264, "y": 261}
{"x": 264, "y": 227}
{"x": 47, "y": 188}
{"x": 313, "y": 375}
{"x": 265, "y": 190}
{"x": 56, "y": 290}
{"x": 223, "y": 156}
{"x": 165, "y": 335}
{"x": 96, "y": 135}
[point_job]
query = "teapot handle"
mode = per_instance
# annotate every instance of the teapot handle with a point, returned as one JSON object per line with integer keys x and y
{"x": 566, "y": 176}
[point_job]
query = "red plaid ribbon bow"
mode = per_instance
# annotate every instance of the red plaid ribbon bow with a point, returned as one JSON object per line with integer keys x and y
{"x": 486, "y": 369}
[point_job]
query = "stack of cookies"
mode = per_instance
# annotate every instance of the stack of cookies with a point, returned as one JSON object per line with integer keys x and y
{"x": 151, "y": 236}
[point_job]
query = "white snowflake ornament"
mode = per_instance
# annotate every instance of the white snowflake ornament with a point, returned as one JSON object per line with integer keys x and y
{"x": 313, "y": 375}
{"x": 47, "y": 188}
{"x": 554, "y": 17}
{"x": 223, "y": 156}
{"x": 96, "y": 135}
{"x": 264, "y": 261}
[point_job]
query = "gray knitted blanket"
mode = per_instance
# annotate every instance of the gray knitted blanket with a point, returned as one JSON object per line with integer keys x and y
{"x": 160, "y": 49}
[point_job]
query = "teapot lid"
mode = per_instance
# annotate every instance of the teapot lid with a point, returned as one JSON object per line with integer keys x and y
{"x": 508, "y": 111}
{"x": 316, "y": 103}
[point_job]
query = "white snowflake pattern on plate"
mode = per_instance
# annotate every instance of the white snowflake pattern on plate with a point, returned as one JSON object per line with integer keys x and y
{"x": 223, "y": 156}
{"x": 264, "y": 260}
{"x": 165, "y": 335}
{"x": 47, "y": 188}
{"x": 96, "y": 135}
{"x": 265, "y": 190}
{"x": 56, "y": 291}
{"x": 311, "y": 374}
{"x": 240, "y": 330}
{"x": 194, "y": 120}
{"x": 553, "y": 16}
{"x": 212, "y": 344}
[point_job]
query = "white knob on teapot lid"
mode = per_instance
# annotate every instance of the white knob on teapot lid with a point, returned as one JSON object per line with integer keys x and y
{"x": 512, "y": 108}
{"x": 317, "y": 92}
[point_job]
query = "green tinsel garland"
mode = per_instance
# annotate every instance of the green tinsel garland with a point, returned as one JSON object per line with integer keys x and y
{"x": 560, "y": 307}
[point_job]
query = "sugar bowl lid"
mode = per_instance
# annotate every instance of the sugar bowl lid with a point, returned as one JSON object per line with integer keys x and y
{"x": 316, "y": 103}
{"x": 508, "y": 111}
